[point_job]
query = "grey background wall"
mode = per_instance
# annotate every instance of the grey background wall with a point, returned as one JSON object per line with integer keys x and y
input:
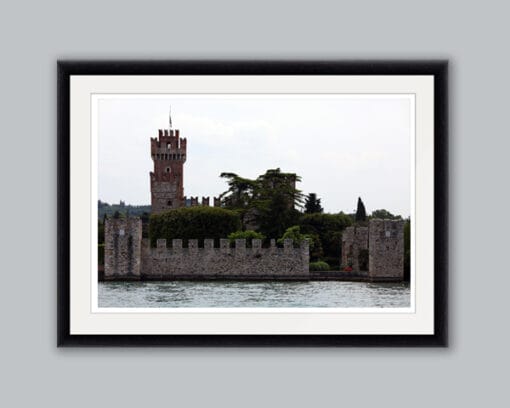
{"x": 471, "y": 34}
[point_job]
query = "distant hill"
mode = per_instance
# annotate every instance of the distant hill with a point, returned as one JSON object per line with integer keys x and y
{"x": 122, "y": 208}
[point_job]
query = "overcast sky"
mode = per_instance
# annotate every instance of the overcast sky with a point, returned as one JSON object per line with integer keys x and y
{"x": 341, "y": 146}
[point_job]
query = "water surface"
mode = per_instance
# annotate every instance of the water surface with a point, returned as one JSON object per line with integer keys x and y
{"x": 253, "y": 294}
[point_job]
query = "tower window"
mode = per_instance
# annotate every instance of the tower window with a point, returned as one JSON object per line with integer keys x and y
{"x": 167, "y": 170}
{"x": 168, "y": 146}
{"x": 169, "y": 203}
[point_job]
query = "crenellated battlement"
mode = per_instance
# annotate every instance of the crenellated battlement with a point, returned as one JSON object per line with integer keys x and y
{"x": 205, "y": 201}
{"x": 225, "y": 244}
{"x": 168, "y": 146}
{"x": 198, "y": 259}
{"x": 224, "y": 261}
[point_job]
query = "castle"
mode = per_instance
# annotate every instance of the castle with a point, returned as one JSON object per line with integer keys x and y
{"x": 374, "y": 252}
{"x": 168, "y": 152}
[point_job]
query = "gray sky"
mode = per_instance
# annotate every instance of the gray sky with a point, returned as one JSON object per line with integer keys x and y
{"x": 342, "y": 146}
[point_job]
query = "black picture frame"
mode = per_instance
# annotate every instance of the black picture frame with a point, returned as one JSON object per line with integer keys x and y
{"x": 437, "y": 68}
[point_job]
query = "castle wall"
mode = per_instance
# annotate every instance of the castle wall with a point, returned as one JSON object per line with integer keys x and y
{"x": 206, "y": 202}
{"x": 122, "y": 255}
{"x": 354, "y": 240}
{"x": 386, "y": 250}
{"x": 254, "y": 263}
{"x": 128, "y": 257}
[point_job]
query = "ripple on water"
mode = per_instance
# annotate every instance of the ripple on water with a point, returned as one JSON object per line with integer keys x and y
{"x": 253, "y": 294}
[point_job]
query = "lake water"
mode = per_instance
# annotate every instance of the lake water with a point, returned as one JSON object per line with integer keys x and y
{"x": 253, "y": 294}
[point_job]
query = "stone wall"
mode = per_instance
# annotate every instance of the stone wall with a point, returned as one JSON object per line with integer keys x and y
{"x": 176, "y": 262}
{"x": 122, "y": 253}
{"x": 127, "y": 256}
{"x": 386, "y": 250}
{"x": 354, "y": 240}
{"x": 384, "y": 241}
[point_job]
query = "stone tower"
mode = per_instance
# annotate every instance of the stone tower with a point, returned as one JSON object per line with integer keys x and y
{"x": 383, "y": 242}
{"x": 122, "y": 237}
{"x": 386, "y": 249}
{"x": 168, "y": 153}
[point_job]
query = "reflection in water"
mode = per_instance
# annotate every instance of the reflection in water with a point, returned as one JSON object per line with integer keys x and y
{"x": 253, "y": 294}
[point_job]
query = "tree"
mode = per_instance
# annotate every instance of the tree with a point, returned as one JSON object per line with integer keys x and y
{"x": 313, "y": 204}
{"x": 267, "y": 203}
{"x": 239, "y": 196}
{"x": 293, "y": 233}
{"x": 328, "y": 228}
{"x": 274, "y": 216}
{"x": 275, "y": 202}
{"x": 384, "y": 215}
{"x": 297, "y": 237}
{"x": 361, "y": 214}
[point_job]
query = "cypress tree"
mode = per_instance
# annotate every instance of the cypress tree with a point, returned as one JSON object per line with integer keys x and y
{"x": 361, "y": 214}
{"x": 313, "y": 204}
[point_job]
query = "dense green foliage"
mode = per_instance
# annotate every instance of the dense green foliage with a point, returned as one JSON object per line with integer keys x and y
{"x": 384, "y": 215}
{"x": 193, "y": 223}
{"x": 100, "y": 232}
{"x": 247, "y": 235}
{"x": 100, "y": 254}
{"x": 297, "y": 237}
{"x": 270, "y": 200}
{"x": 319, "y": 266}
{"x": 294, "y": 233}
{"x": 328, "y": 228}
{"x": 361, "y": 213}
{"x": 313, "y": 204}
{"x": 105, "y": 209}
{"x": 239, "y": 196}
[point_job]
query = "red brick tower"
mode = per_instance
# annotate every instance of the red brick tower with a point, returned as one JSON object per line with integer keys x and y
{"x": 168, "y": 152}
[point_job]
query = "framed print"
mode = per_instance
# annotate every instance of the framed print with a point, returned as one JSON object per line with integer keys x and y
{"x": 252, "y": 203}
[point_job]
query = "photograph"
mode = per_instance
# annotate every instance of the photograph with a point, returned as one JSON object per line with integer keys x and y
{"x": 252, "y": 203}
{"x": 254, "y": 200}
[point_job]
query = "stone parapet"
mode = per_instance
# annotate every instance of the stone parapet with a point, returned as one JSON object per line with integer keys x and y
{"x": 129, "y": 257}
{"x": 225, "y": 262}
